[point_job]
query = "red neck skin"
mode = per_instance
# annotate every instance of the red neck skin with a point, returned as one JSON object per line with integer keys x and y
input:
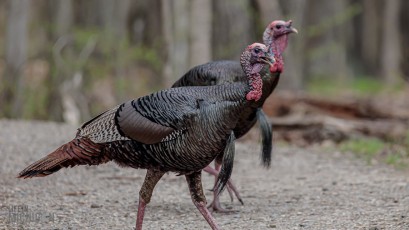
{"x": 278, "y": 65}
{"x": 277, "y": 47}
{"x": 256, "y": 85}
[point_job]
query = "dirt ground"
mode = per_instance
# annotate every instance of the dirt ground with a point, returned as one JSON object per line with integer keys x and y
{"x": 304, "y": 189}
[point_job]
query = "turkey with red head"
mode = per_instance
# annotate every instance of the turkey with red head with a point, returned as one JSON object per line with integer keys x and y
{"x": 177, "y": 130}
{"x": 275, "y": 37}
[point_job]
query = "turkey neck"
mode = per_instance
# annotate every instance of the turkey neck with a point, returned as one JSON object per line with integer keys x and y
{"x": 278, "y": 45}
{"x": 269, "y": 83}
{"x": 248, "y": 113}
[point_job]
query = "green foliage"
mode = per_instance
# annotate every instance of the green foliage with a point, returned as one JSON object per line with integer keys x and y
{"x": 360, "y": 85}
{"x": 406, "y": 141}
{"x": 146, "y": 55}
{"x": 82, "y": 35}
{"x": 115, "y": 59}
{"x": 112, "y": 59}
{"x": 335, "y": 20}
{"x": 35, "y": 104}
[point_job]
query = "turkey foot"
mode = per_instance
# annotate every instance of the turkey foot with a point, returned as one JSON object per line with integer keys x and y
{"x": 215, "y": 204}
{"x": 216, "y": 207}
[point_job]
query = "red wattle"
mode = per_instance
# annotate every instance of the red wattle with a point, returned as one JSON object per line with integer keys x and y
{"x": 256, "y": 86}
{"x": 277, "y": 67}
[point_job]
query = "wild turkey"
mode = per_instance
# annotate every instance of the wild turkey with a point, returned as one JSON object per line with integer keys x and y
{"x": 179, "y": 130}
{"x": 221, "y": 72}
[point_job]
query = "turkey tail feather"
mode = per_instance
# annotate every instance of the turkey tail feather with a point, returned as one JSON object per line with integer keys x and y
{"x": 43, "y": 167}
{"x": 227, "y": 165}
{"x": 266, "y": 138}
{"x": 79, "y": 151}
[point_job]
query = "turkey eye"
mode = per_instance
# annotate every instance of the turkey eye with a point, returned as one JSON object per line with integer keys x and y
{"x": 278, "y": 27}
{"x": 257, "y": 51}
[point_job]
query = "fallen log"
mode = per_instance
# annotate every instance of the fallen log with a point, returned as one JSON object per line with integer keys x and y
{"x": 282, "y": 103}
{"x": 304, "y": 119}
{"x": 318, "y": 128}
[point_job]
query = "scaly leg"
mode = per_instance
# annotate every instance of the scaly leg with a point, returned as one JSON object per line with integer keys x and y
{"x": 151, "y": 179}
{"x": 194, "y": 182}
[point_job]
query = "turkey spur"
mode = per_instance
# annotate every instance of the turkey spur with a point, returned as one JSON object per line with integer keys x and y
{"x": 275, "y": 37}
{"x": 178, "y": 130}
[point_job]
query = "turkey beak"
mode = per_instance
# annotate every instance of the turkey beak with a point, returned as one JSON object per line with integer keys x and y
{"x": 267, "y": 60}
{"x": 290, "y": 28}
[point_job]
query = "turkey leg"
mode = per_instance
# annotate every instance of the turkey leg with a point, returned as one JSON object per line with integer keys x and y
{"x": 151, "y": 179}
{"x": 194, "y": 182}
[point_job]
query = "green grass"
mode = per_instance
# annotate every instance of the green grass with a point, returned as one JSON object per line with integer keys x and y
{"x": 398, "y": 160}
{"x": 371, "y": 149}
{"x": 365, "y": 148}
{"x": 359, "y": 85}
{"x": 392, "y": 159}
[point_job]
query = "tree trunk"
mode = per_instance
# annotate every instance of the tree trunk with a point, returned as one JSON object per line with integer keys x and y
{"x": 175, "y": 16}
{"x": 200, "y": 32}
{"x": 144, "y": 25}
{"x": 370, "y": 35}
{"x": 330, "y": 32}
{"x": 391, "y": 46}
{"x": 64, "y": 16}
{"x": 269, "y": 11}
{"x": 233, "y": 28}
{"x": 294, "y": 67}
{"x": 166, "y": 6}
{"x": 16, "y": 54}
{"x": 113, "y": 16}
{"x": 179, "y": 56}
{"x": 404, "y": 32}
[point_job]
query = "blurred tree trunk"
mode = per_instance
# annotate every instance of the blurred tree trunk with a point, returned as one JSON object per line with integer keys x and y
{"x": 200, "y": 32}
{"x": 144, "y": 25}
{"x": 370, "y": 35}
{"x": 166, "y": 7}
{"x": 296, "y": 49}
{"x": 405, "y": 42}
{"x": 391, "y": 46}
{"x": 175, "y": 19}
{"x": 269, "y": 11}
{"x": 64, "y": 16}
{"x": 329, "y": 37}
{"x": 294, "y": 67}
{"x": 16, "y": 54}
{"x": 233, "y": 28}
{"x": 180, "y": 54}
{"x": 113, "y": 16}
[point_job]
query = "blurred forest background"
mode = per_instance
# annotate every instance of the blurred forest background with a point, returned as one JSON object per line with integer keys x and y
{"x": 345, "y": 79}
{"x": 67, "y": 60}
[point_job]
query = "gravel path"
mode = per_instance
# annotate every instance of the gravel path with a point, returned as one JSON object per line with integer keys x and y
{"x": 304, "y": 189}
